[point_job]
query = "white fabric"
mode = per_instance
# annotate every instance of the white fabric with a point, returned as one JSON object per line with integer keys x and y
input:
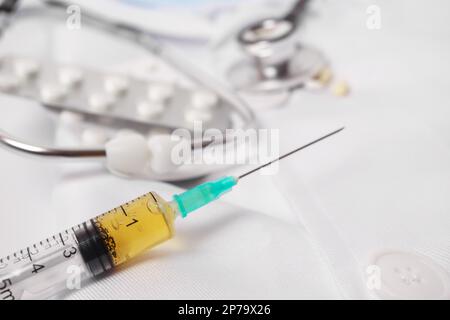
{"x": 223, "y": 252}
{"x": 311, "y": 231}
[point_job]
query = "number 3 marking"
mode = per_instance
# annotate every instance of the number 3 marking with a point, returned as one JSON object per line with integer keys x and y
{"x": 69, "y": 252}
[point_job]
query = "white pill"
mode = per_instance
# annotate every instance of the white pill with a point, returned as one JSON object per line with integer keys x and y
{"x": 341, "y": 89}
{"x": 26, "y": 69}
{"x": 52, "y": 93}
{"x": 127, "y": 154}
{"x": 161, "y": 147}
{"x": 70, "y": 77}
{"x": 100, "y": 102}
{"x": 9, "y": 83}
{"x": 157, "y": 131}
{"x": 116, "y": 85}
{"x": 324, "y": 76}
{"x": 69, "y": 117}
{"x": 94, "y": 137}
{"x": 193, "y": 115}
{"x": 148, "y": 110}
{"x": 126, "y": 132}
{"x": 160, "y": 93}
{"x": 204, "y": 100}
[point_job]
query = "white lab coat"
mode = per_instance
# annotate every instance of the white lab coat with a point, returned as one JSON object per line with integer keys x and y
{"x": 375, "y": 194}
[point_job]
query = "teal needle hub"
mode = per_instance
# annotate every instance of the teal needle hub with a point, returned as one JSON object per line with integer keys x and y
{"x": 203, "y": 194}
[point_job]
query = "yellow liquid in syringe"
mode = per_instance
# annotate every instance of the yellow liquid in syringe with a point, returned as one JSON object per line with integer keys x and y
{"x": 135, "y": 226}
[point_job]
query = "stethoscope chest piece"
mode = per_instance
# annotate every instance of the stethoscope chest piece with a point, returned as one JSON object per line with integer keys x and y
{"x": 274, "y": 60}
{"x": 260, "y": 75}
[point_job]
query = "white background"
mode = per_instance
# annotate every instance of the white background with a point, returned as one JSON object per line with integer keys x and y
{"x": 382, "y": 184}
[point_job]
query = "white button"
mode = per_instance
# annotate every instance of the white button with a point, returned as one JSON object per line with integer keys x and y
{"x": 52, "y": 93}
{"x": 100, "y": 102}
{"x": 149, "y": 110}
{"x": 9, "y": 83}
{"x": 409, "y": 276}
{"x": 204, "y": 100}
{"x": 70, "y": 77}
{"x": 26, "y": 69}
{"x": 116, "y": 85}
{"x": 160, "y": 93}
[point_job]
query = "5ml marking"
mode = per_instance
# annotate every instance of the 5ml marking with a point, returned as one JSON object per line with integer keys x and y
{"x": 5, "y": 293}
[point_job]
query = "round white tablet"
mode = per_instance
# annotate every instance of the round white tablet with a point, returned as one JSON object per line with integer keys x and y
{"x": 70, "y": 77}
{"x": 159, "y": 92}
{"x": 193, "y": 115}
{"x": 116, "y": 85}
{"x": 69, "y": 117}
{"x": 51, "y": 93}
{"x": 147, "y": 110}
{"x": 25, "y": 69}
{"x": 9, "y": 83}
{"x": 100, "y": 102}
{"x": 94, "y": 137}
{"x": 204, "y": 100}
{"x": 161, "y": 147}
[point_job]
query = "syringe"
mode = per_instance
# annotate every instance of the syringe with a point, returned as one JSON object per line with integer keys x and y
{"x": 94, "y": 247}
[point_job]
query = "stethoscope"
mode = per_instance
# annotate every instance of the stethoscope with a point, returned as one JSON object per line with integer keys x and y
{"x": 274, "y": 60}
{"x": 242, "y": 115}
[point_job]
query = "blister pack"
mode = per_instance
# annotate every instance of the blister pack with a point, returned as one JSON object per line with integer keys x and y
{"x": 106, "y": 95}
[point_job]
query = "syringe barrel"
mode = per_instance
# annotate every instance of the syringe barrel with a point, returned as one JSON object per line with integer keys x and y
{"x": 64, "y": 261}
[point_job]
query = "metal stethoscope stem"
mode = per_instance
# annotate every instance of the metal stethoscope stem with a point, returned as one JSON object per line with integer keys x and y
{"x": 13, "y": 143}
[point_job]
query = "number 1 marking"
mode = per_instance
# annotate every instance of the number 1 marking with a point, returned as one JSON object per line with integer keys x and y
{"x": 131, "y": 223}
